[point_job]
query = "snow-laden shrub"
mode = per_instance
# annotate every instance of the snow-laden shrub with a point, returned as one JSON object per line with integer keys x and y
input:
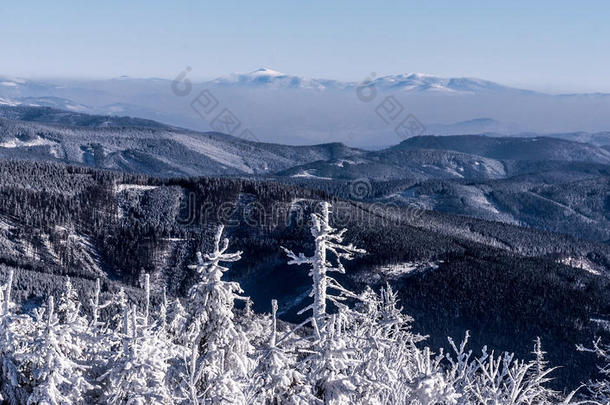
{"x": 353, "y": 349}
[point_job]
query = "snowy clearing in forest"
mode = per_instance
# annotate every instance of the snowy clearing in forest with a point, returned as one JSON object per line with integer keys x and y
{"x": 16, "y": 143}
{"x": 579, "y": 263}
{"x": 123, "y": 187}
{"x": 307, "y": 174}
{"x": 408, "y": 268}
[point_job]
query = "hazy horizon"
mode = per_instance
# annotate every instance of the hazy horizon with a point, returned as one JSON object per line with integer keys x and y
{"x": 548, "y": 46}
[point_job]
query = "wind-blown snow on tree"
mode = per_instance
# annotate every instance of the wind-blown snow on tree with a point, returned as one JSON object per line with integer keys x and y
{"x": 328, "y": 242}
{"x": 13, "y": 330}
{"x": 219, "y": 362}
{"x": 277, "y": 378}
{"x": 137, "y": 374}
{"x": 55, "y": 378}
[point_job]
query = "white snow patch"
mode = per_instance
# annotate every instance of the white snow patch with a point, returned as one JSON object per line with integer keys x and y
{"x": 407, "y": 268}
{"x": 453, "y": 172}
{"x": 217, "y": 152}
{"x": 307, "y": 174}
{"x": 139, "y": 187}
{"x": 54, "y": 151}
{"x": 90, "y": 257}
{"x": 10, "y": 103}
{"x": 342, "y": 162}
{"x": 172, "y": 239}
{"x": 16, "y": 143}
{"x": 75, "y": 107}
{"x": 47, "y": 244}
{"x": 5, "y": 224}
{"x": 266, "y": 72}
{"x": 484, "y": 203}
{"x": 579, "y": 263}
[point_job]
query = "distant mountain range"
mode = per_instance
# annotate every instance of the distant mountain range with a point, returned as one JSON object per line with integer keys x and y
{"x": 414, "y": 82}
{"x": 292, "y": 109}
{"x": 544, "y": 182}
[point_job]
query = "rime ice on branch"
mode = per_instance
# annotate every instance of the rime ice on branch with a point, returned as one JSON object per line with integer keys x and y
{"x": 327, "y": 241}
{"x": 210, "y": 271}
{"x": 219, "y": 363}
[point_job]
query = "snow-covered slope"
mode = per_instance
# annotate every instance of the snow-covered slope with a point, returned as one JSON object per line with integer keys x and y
{"x": 271, "y": 78}
{"x": 120, "y": 143}
{"x": 415, "y": 82}
{"x": 420, "y": 82}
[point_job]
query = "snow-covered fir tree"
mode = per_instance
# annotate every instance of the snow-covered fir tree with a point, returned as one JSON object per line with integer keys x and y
{"x": 277, "y": 378}
{"x": 50, "y": 360}
{"x": 13, "y": 331}
{"x": 97, "y": 307}
{"x": 137, "y": 373}
{"x": 220, "y": 362}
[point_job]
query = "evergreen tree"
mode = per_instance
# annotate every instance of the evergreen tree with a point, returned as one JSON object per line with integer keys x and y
{"x": 55, "y": 378}
{"x": 328, "y": 242}
{"x": 278, "y": 379}
{"x": 137, "y": 373}
{"x": 219, "y": 363}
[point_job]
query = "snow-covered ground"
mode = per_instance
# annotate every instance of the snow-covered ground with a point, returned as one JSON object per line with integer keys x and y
{"x": 407, "y": 268}
{"x": 580, "y": 263}
{"x": 309, "y": 175}
{"x": 137, "y": 187}
{"x": 16, "y": 143}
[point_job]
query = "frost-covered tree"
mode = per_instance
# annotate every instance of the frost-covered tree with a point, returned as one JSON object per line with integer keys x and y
{"x": 54, "y": 377}
{"x": 600, "y": 389}
{"x": 219, "y": 362}
{"x": 277, "y": 378}
{"x": 14, "y": 331}
{"x": 383, "y": 345}
{"x": 119, "y": 302}
{"x": 177, "y": 320}
{"x": 146, "y": 283}
{"x": 72, "y": 320}
{"x": 163, "y": 312}
{"x": 489, "y": 378}
{"x": 6, "y": 305}
{"x": 97, "y": 307}
{"x": 333, "y": 364}
{"x": 137, "y": 373}
{"x": 68, "y": 307}
{"x": 328, "y": 244}
{"x": 207, "y": 352}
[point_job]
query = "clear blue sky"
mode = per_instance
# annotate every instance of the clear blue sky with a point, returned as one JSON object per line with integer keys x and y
{"x": 547, "y": 45}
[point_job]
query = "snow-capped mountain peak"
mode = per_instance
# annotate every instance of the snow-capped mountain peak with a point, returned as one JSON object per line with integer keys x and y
{"x": 266, "y": 72}
{"x": 272, "y": 78}
{"x": 409, "y": 82}
{"x": 421, "y": 82}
